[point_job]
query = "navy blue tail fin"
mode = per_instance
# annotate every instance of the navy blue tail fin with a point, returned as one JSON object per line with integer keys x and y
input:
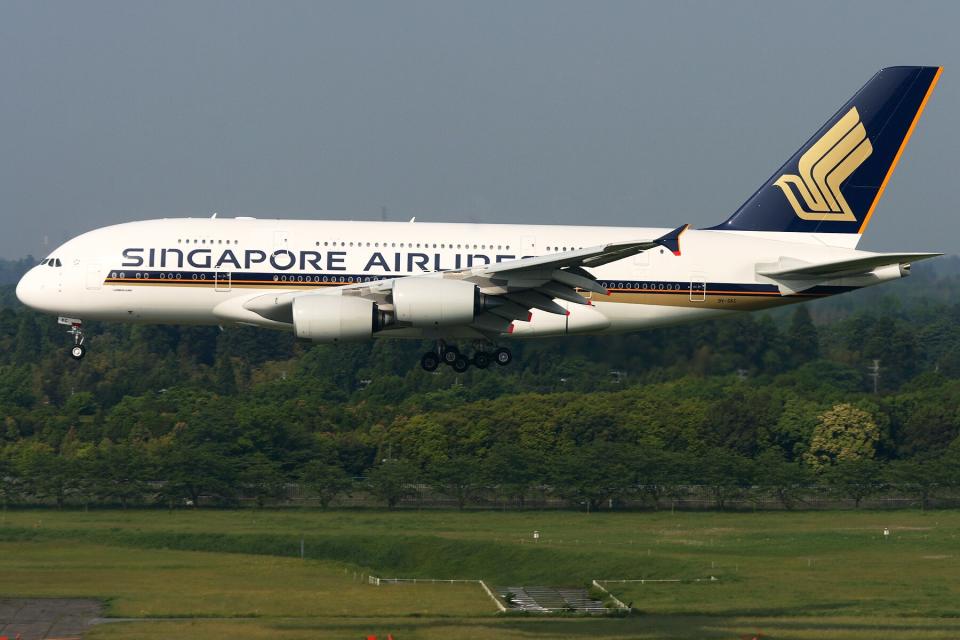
{"x": 833, "y": 183}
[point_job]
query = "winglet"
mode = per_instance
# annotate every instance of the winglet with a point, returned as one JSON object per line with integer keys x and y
{"x": 672, "y": 240}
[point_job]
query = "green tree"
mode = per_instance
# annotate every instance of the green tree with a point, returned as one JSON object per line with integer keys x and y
{"x": 391, "y": 481}
{"x": 47, "y": 475}
{"x": 783, "y": 479}
{"x": 794, "y": 428}
{"x": 326, "y": 481}
{"x": 802, "y": 337}
{"x": 194, "y": 472}
{"x": 843, "y": 433}
{"x": 11, "y": 478}
{"x": 458, "y": 477}
{"x": 28, "y": 342}
{"x": 510, "y": 470}
{"x": 920, "y": 477}
{"x": 262, "y": 478}
{"x": 725, "y": 474}
{"x": 121, "y": 472}
{"x": 932, "y": 425}
{"x": 593, "y": 474}
{"x": 855, "y": 478}
{"x": 224, "y": 378}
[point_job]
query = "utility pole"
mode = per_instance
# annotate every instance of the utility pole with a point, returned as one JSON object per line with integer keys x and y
{"x": 874, "y": 372}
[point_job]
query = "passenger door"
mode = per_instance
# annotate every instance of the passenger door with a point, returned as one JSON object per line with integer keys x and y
{"x": 698, "y": 287}
{"x": 94, "y": 276}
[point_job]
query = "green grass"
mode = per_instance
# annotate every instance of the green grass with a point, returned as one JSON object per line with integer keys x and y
{"x": 162, "y": 583}
{"x": 492, "y": 628}
{"x": 791, "y": 575}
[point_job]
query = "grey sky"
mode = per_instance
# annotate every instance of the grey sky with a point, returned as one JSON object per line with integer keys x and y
{"x": 619, "y": 113}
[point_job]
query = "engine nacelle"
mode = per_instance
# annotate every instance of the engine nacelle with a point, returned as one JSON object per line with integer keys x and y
{"x": 333, "y": 318}
{"x": 434, "y": 302}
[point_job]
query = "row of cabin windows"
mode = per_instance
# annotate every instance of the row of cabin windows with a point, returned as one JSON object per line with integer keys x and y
{"x": 142, "y": 275}
{"x": 204, "y": 241}
{"x": 402, "y": 245}
{"x": 647, "y": 286}
{"x": 411, "y": 245}
{"x": 285, "y": 278}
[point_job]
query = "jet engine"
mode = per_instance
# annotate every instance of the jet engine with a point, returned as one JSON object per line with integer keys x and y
{"x": 335, "y": 318}
{"x": 434, "y": 302}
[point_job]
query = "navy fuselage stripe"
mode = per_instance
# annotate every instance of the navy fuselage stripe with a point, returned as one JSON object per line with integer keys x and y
{"x": 267, "y": 279}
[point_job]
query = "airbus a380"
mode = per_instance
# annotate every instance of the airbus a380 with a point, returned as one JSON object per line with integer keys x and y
{"x": 793, "y": 240}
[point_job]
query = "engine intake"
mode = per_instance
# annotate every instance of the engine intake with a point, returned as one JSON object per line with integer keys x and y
{"x": 435, "y": 302}
{"x": 335, "y": 318}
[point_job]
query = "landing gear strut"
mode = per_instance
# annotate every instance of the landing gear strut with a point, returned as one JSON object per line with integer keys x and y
{"x": 451, "y": 356}
{"x": 77, "y": 351}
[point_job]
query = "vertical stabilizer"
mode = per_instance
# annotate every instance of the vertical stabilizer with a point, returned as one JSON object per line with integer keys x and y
{"x": 833, "y": 183}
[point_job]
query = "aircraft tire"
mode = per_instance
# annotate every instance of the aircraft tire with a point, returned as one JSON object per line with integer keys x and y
{"x": 77, "y": 352}
{"x": 450, "y": 355}
{"x": 461, "y": 364}
{"x": 430, "y": 361}
{"x": 481, "y": 360}
{"x": 503, "y": 356}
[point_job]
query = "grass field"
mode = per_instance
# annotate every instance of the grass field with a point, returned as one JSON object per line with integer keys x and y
{"x": 788, "y": 575}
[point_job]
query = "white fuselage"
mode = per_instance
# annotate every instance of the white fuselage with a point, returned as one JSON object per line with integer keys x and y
{"x": 200, "y": 271}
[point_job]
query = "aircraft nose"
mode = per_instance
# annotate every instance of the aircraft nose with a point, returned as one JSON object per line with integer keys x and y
{"x": 30, "y": 289}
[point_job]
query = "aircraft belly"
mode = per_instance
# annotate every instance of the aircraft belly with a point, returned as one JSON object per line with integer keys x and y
{"x": 145, "y": 304}
{"x": 642, "y": 315}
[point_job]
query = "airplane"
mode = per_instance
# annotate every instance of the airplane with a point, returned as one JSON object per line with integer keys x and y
{"x": 792, "y": 241}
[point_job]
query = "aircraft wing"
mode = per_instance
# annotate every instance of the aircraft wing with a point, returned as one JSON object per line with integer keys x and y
{"x": 839, "y": 268}
{"x": 518, "y": 286}
{"x": 512, "y": 288}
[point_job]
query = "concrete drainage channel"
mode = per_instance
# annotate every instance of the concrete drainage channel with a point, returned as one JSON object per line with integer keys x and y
{"x": 529, "y": 599}
{"x": 48, "y": 618}
{"x": 550, "y": 600}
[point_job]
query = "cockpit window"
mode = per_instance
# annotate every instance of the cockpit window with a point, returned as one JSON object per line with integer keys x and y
{"x": 57, "y": 260}
{"x": 45, "y": 261}
{"x": 51, "y": 262}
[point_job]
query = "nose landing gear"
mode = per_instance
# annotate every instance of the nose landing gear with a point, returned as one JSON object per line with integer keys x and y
{"x": 483, "y": 356}
{"x": 77, "y": 351}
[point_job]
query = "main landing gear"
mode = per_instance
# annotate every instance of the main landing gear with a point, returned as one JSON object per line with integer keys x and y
{"x": 449, "y": 355}
{"x": 77, "y": 351}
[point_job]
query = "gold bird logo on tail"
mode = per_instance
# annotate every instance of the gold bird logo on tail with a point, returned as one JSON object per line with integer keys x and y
{"x": 824, "y": 167}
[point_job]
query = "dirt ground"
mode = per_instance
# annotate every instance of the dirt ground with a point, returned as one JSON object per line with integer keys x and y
{"x": 47, "y": 618}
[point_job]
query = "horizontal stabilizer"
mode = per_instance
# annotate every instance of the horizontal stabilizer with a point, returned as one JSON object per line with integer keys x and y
{"x": 838, "y": 268}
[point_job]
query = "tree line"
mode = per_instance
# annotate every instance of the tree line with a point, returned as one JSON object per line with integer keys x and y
{"x": 852, "y": 398}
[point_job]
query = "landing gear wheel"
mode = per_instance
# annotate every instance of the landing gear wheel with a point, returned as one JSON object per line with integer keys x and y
{"x": 77, "y": 351}
{"x": 481, "y": 360}
{"x": 430, "y": 361}
{"x": 461, "y": 364}
{"x": 450, "y": 355}
{"x": 503, "y": 356}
